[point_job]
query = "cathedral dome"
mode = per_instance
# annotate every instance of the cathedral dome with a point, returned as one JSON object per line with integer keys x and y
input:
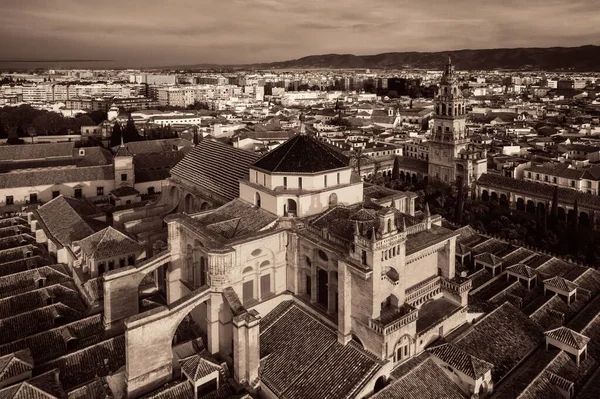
{"x": 303, "y": 154}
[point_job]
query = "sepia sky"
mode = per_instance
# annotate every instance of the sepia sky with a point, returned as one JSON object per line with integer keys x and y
{"x": 168, "y": 32}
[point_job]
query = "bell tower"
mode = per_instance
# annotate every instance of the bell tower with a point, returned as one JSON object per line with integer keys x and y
{"x": 449, "y": 134}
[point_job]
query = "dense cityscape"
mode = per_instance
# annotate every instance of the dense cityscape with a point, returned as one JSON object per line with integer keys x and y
{"x": 274, "y": 231}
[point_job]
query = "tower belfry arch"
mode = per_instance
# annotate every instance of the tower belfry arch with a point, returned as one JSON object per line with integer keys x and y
{"x": 450, "y": 144}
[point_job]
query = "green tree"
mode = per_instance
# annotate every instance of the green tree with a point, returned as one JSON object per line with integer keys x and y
{"x": 130, "y": 133}
{"x": 554, "y": 211}
{"x": 590, "y": 257}
{"x": 396, "y": 169}
{"x": 358, "y": 156}
{"x": 460, "y": 202}
{"x": 116, "y": 137}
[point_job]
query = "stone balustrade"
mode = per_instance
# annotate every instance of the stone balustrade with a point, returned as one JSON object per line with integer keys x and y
{"x": 395, "y": 325}
{"x": 424, "y": 289}
{"x": 457, "y": 287}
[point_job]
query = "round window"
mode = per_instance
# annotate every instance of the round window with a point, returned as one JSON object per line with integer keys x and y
{"x": 323, "y": 255}
{"x": 256, "y": 252}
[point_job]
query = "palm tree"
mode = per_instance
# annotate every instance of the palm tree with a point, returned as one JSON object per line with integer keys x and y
{"x": 358, "y": 155}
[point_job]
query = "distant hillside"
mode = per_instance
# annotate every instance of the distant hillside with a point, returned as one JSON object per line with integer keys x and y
{"x": 585, "y": 58}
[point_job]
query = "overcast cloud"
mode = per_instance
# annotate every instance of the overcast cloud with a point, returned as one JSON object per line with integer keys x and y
{"x": 160, "y": 32}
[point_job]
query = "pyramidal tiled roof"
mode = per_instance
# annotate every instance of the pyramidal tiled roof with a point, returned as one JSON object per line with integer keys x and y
{"x": 561, "y": 284}
{"x": 197, "y": 367}
{"x": 461, "y": 360}
{"x": 123, "y": 152}
{"x": 303, "y": 154}
{"x": 568, "y": 337}
{"x": 108, "y": 242}
{"x": 522, "y": 270}
{"x": 44, "y": 386}
{"x": 489, "y": 258}
{"x": 15, "y": 364}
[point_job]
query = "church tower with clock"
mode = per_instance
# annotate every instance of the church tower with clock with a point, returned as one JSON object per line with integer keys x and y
{"x": 451, "y": 155}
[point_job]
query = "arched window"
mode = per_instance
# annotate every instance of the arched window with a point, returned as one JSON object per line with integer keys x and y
{"x": 402, "y": 349}
{"x": 265, "y": 264}
{"x": 249, "y": 269}
{"x": 389, "y": 225}
{"x": 333, "y": 199}
{"x": 257, "y": 200}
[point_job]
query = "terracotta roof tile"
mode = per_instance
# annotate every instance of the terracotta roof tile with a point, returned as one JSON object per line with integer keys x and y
{"x": 568, "y": 337}
{"x": 108, "y": 242}
{"x": 461, "y": 360}
{"x": 215, "y": 167}
{"x": 303, "y": 154}
{"x": 561, "y": 284}
{"x": 503, "y": 337}
{"x": 426, "y": 381}
{"x": 316, "y": 365}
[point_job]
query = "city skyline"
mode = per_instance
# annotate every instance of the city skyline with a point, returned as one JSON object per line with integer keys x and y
{"x": 145, "y": 34}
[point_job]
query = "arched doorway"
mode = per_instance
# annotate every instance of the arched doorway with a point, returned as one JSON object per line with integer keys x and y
{"x": 541, "y": 207}
{"x": 380, "y": 383}
{"x": 333, "y": 199}
{"x": 494, "y": 197}
{"x": 414, "y": 178}
{"x": 205, "y": 206}
{"x": 562, "y": 215}
{"x": 402, "y": 177}
{"x": 503, "y": 200}
{"x": 584, "y": 219}
{"x": 570, "y": 215}
{"x": 485, "y": 196}
{"x": 530, "y": 206}
{"x": 257, "y": 200}
{"x": 291, "y": 208}
{"x": 188, "y": 203}
{"x": 520, "y": 204}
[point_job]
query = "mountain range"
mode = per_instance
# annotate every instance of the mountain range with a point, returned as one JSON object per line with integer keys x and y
{"x": 584, "y": 58}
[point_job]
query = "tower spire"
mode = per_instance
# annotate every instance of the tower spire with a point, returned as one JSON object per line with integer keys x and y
{"x": 302, "y": 126}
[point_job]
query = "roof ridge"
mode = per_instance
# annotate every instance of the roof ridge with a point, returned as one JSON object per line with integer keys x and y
{"x": 287, "y": 152}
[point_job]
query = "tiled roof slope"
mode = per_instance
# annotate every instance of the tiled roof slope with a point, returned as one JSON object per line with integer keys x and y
{"x": 50, "y": 344}
{"x": 236, "y": 219}
{"x": 303, "y": 154}
{"x": 98, "y": 360}
{"x": 65, "y": 219}
{"x": 503, "y": 337}
{"x": 44, "y": 386}
{"x": 541, "y": 374}
{"x": 36, "y": 151}
{"x": 215, "y": 167}
{"x": 97, "y": 389}
{"x": 51, "y": 176}
{"x": 15, "y": 364}
{"x": 426, "y": 381}
{"x": 461, "y": 360}
{"x": 180, "y": 390}
{"x": 316, "y": 365}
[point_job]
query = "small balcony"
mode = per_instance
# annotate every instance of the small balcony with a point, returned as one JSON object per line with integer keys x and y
{"x": 394, "y": 318}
